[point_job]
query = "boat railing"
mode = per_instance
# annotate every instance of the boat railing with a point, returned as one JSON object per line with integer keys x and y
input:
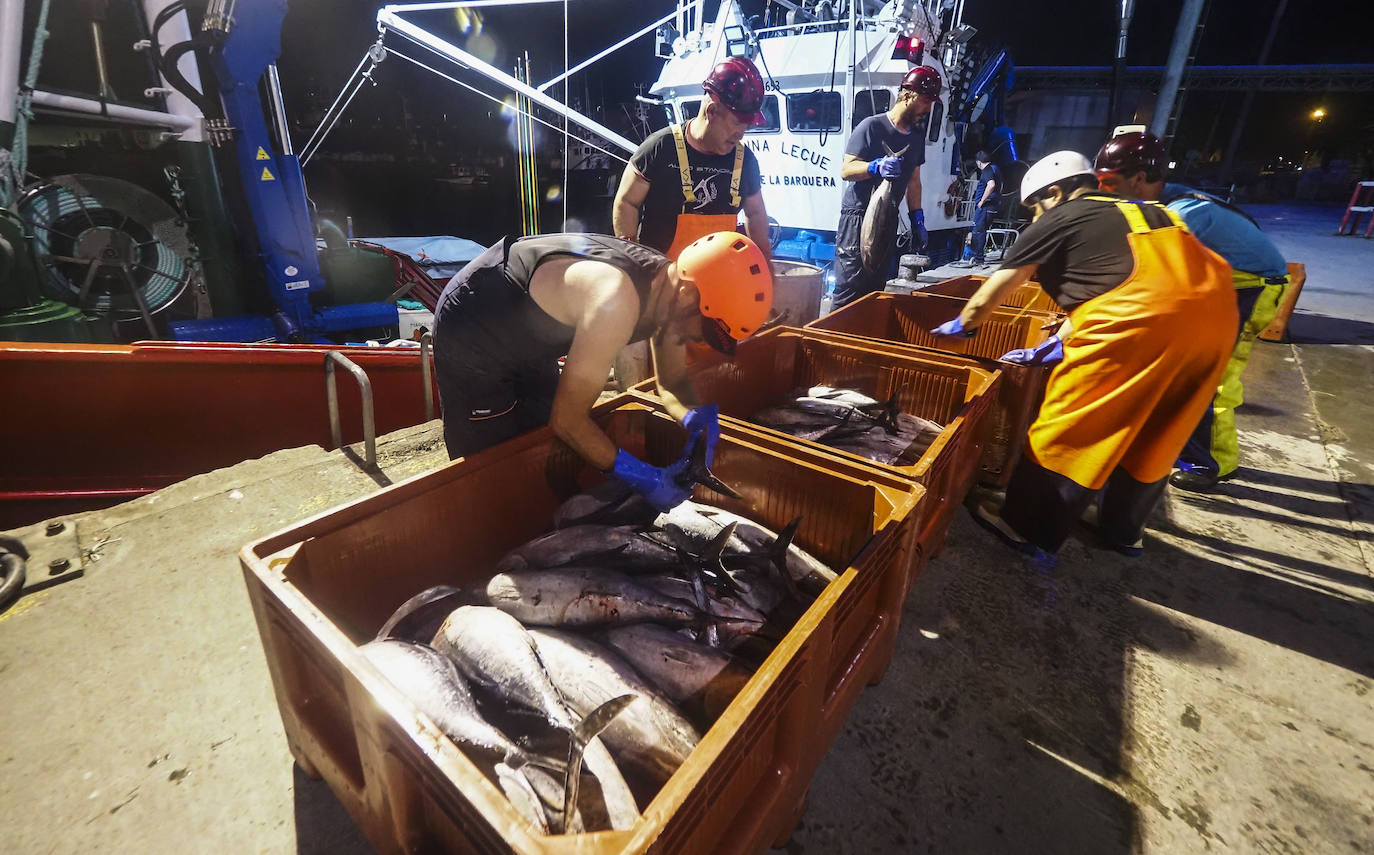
{"x": 426, "y": 346}
{"x": 331, "y": 359}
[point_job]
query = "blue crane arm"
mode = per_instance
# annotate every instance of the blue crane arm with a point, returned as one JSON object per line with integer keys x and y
{"x": 275, "y": 188}
{"x": 272, "y": 179}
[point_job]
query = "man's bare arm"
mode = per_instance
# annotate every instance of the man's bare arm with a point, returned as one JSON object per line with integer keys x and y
{"x": 756, "y": 223}
{"x": 990, "y": 294}
{"x": 670, "y": 374}
{"x": 629, "y": 196}
{"x": 853, "y": 168}
{"x": 602, "y": 330}
{"x": 913, "y": 191}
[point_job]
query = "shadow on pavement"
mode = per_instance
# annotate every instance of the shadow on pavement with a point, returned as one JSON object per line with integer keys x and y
{"x": 1322, "y": 329}
{"x": 1005, "y": 722}
{"x": 323, "y": 826}
{"x": 997, "y": 722}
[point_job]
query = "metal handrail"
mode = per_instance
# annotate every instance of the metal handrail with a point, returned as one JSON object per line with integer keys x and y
{"x": 364, "y": 391}
{"x": 426, "y": 343}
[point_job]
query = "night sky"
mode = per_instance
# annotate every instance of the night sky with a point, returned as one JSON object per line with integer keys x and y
{"x": 426, "y": 125}
{"x": 324, "y": 39}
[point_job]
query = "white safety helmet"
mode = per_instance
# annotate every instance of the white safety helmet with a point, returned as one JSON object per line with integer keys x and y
{"x": 1052, "y": 169}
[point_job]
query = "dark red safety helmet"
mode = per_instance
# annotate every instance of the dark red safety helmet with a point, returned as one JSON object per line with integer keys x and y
{"x": 736, "y": 83}
{"x": 1127, "y": 154}
{"x": 923, "y": 80}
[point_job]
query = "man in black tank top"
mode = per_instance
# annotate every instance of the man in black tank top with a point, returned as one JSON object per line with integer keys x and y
{"x": 503, "y": 322}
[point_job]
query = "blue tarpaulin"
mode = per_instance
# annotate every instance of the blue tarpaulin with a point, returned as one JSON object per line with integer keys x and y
{"x": 441, "y": 256}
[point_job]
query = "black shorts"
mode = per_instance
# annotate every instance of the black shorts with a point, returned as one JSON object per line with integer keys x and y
{"x": 496, "y": 357}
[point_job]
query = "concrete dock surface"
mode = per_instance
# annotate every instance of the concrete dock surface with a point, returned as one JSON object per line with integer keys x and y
{"x": 1214, "y": 695}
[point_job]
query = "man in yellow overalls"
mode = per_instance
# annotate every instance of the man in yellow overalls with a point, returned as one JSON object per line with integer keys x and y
{"x": 690, "y": 180}
{"x": 1152, "y": 320}
{"x": 1132, "y": 164}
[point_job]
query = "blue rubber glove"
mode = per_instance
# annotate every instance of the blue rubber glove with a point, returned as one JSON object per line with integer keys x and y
{"x": 703, "y": 420}
{"x": 920, "y": 237}
{"x": 954, "y": 327}
{"x": 1049, "y": 351}
{"x": 886, "y": 167}
{"x": 657, "y": 485}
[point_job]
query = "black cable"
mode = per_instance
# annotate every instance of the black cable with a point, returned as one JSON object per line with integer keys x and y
{"x": 178, "y": 81}
{"x": 834, "y": 58}
{"x": 158, "y": 23}
{"x": 12, "y": 574}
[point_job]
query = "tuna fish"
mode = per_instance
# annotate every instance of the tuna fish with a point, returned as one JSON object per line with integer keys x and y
{"x": 589, "y": 545}
{"x": 492, "y": 649}
{"x": 431, "y": 682}
{"x": 611, "y": 502}
{"x": 878, "y": 231}
{"x": 649, "y": 736}
{"x": 579, "y": 596}
{"x": 685, "y": 671}
{"x": 692, "y": 526}
{"x": 418, "y": 618}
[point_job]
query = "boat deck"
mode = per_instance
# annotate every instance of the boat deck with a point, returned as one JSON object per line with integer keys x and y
{"x": 1213, "y": 695}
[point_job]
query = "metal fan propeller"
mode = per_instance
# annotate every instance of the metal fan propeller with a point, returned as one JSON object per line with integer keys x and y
{"x": 107, "y": 246}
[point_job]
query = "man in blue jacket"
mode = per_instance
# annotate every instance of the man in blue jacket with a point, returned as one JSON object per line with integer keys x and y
{"x": 1132, "y": 164}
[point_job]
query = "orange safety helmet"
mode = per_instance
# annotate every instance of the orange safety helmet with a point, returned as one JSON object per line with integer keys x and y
{"x": 734, "y": 284}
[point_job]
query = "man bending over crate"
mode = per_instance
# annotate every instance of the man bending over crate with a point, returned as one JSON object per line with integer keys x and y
{"x": 1151, "y": 324}
{"x": 503, "y": 322}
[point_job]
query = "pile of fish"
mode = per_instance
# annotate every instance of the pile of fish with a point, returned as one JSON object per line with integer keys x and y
{"x": 612, "y": 642}
{"x": 851, "y": 421}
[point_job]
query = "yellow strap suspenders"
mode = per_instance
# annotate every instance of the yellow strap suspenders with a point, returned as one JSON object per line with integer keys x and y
{"x": 685, "y": 170}
{"x": 1136, "y": 217}
{"x": 735, "y": 174}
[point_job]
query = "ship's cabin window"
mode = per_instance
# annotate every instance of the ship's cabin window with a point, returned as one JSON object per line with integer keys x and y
{"x": 870, "y": 102}
{"x": 813, "y": 112}
{"x": 934, "y": 119}
{"x": 771, "y": 123}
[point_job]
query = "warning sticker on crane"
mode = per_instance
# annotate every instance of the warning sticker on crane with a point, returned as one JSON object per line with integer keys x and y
{"x": 262, "y": 155}
{"x": 267, "y": 175}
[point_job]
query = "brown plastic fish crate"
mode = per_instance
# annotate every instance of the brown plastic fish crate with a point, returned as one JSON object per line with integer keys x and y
{"x": 324, "y": 586}
{"x": 909, "y": 318}
{"x": 1029, "y": 296}
{"x": 769, "y": 367}
{"x": 1017, "y": 403}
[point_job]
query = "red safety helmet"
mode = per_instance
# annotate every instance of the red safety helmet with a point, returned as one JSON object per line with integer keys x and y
{"x": 734, "y": 285}
{"x": 736, "y": 83}
{"x": 923, "y": 80}
{"x": 1127, "y": 154}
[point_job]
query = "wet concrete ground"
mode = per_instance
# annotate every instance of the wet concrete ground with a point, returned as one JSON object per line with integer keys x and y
{"x": 1214, "y": 695}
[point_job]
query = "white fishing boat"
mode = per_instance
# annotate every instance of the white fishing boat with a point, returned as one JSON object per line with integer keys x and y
{"x": 826, "y": 66}
{"x": 826, "y": 69}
